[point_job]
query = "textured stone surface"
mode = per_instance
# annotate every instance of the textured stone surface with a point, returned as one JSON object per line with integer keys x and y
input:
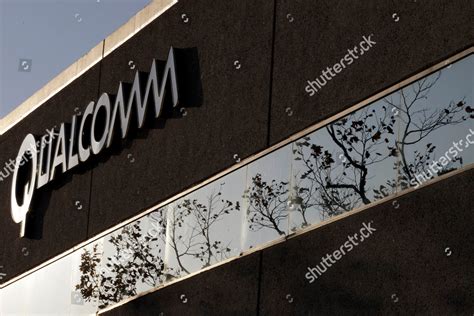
{"x": 231, "y": 289}
{"x": 320, "y": 34}
{"x": 402, "y": 269}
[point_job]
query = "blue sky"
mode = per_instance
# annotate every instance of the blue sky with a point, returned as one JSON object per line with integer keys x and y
{"x": 52, "y": 34}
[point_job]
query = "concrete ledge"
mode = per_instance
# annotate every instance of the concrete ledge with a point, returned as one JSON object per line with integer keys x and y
{"x": 136, "y": 23}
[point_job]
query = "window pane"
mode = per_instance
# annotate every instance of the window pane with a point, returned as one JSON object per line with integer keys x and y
{"x": 205, "y": 227}
{"x": 266, "y": 198}
{"x": 436, "y": 114}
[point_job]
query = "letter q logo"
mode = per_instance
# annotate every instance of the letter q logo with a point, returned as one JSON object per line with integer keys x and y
{"x": 22, "y": 194}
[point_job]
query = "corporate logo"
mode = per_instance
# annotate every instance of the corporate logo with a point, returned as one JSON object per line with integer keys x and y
{"x": 88, "y": 134}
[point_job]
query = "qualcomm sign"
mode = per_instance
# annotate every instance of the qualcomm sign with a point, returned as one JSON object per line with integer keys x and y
{"x": 87, "y": 134}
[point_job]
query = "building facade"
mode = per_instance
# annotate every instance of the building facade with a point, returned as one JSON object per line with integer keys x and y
{"x": 257, "y": 158}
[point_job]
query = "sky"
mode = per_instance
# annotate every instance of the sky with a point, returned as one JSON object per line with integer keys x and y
{"x": 40, "y": 38}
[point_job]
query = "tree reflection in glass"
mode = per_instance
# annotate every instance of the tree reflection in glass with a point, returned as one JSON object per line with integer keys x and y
{"x": 363, "y": 157}
{"x": 266, "y": 198}
{"x": 335, "y": 173}
{"x": 130, "y": 263}
{"x": 434, "y": 112}
{"x": 197, "y": 233}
